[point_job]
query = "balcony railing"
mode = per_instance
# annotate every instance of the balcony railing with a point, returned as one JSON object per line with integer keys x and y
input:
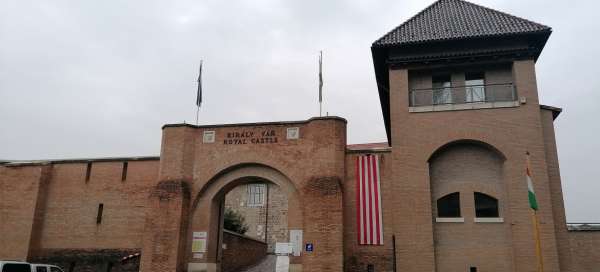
{"x": 463, "y": 95}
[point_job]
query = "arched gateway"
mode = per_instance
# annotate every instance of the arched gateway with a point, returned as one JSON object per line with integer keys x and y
{"x": 207, "y": 210}
{"x": 200, "y": 164}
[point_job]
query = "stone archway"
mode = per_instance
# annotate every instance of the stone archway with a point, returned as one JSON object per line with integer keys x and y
{"x": 207, "y": 208}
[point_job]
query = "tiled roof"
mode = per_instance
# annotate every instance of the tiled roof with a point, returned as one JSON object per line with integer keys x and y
{"x": 457, "y": 19}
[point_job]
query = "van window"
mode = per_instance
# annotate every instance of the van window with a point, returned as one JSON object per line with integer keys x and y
{"x": 41, "y": 269}
{"x": 16, "y": 267}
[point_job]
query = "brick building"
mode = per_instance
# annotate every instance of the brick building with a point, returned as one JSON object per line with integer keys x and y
{"x": 264, "y": 209}
{"x": 459, "y": 98}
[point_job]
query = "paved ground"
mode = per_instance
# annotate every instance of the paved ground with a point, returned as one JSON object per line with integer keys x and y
{"x": 265, "y": 265}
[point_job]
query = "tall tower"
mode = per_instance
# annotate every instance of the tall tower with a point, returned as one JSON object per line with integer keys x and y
{"x": 459, "y": 97}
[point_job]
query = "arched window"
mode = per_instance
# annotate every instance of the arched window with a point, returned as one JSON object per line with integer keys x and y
{"x": 486, "y": 206}
{"x": 449, "y": 205}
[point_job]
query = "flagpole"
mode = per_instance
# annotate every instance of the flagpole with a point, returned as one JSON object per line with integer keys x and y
{"x": 320, "y": 109}
{"x": 321, "y": 83}
{"x": 199, "y": 93}
{"x": 536, "y": 227}
{"x": 197, "y": 114}
{"x": 538, "y": 244}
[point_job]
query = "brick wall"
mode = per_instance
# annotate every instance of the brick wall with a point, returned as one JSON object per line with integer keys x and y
{"x": 512, "y": 131}
{"x": 309, "y": 169}
{"x": 72, "y": 205}
{"x": 467, "y": 168}
{"x": 584, "y": 250}
{"x": 241, "y": 251}
{"x": 19, "y": 194}
{"x": 558, "y": 206}
{"x": 358, "y": 257}
{"x": 51, "y": 210}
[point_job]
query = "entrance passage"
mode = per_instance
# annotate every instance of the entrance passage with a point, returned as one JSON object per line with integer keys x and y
{"x": 254, "y": 219}
{"x": 267, "y": 264}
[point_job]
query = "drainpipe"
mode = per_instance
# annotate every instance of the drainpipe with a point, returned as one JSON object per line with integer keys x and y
{"x": 267, "y": 217}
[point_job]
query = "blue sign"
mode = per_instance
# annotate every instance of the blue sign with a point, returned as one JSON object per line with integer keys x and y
{"x": 309, "y": 247}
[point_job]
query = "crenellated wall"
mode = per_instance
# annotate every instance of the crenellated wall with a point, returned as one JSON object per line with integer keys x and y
{"x": 51, "y": 210}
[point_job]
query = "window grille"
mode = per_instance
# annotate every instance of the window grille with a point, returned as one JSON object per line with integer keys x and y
{"x": 256, "y": 195}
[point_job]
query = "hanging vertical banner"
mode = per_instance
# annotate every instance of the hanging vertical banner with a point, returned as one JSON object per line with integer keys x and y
{"x": 199, "y": 241}
{"x": 368, "y": 201}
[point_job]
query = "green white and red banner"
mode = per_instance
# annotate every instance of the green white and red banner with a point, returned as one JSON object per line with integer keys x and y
{"x": 531, "y": 193}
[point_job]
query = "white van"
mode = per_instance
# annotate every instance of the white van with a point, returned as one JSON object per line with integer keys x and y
{"x": 17, "y": 266}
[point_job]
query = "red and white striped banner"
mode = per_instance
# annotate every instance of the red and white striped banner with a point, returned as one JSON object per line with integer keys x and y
{"x": 368, "y": 201}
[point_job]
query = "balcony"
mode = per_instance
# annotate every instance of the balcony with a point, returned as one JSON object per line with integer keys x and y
{"x": 463, "y": 97}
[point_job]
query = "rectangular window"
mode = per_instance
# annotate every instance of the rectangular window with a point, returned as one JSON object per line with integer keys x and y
{"x": 256, "y": 195}
{"x": 442, "y": 89}
{"x": 473, "y": 269}
{"x": 99, "y": 216}
{"x": 41, "y": 269}
{"x": 88, "y": 171}
{"x": 475, "y": 87}
{"x": 124, "y": 173}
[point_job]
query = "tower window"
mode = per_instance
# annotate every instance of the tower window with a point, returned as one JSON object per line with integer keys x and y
{"x": 449, "y": 205}
{"x": 486, "y": 206}
{"x": 442, "y": 89}
{"x": 99, "y": 215}
{"x": 475, "y": 87}
{"x": 256, "y": 195}
{"x": 124, "y": 173}
{"x": 88, "y": 171}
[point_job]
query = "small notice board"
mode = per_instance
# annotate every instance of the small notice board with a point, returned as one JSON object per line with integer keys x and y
{"x": 199, "y": 242}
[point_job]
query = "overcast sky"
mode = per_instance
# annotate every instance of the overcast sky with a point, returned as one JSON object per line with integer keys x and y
{"x": 100, "y": 78}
